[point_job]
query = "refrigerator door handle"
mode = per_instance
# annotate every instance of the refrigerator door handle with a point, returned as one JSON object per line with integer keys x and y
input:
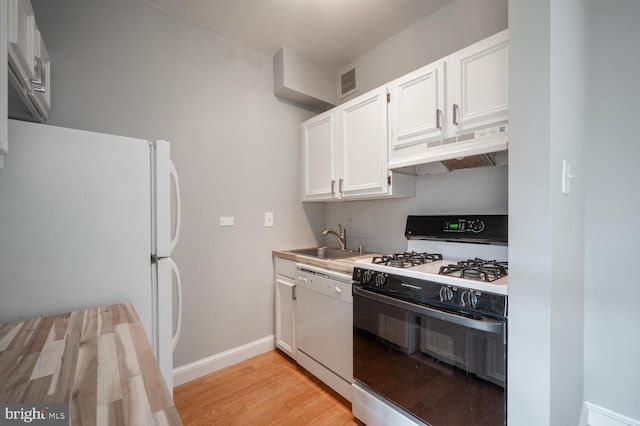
{"x": 174, "y": 175}
{"x": 176, "y": 335}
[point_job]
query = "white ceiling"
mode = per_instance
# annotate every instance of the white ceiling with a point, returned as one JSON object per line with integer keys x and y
{"x": 331, "y": 32}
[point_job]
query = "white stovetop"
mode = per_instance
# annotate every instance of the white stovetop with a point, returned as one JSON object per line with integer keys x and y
{"x": 430, "y": 271}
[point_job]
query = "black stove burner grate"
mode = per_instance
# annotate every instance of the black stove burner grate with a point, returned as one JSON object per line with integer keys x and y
{"x": 476, "y": 269}
{"x": 406, "y": 259}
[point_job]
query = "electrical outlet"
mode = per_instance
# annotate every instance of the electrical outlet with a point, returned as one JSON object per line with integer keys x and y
{"x": 268, "y": 219}
{"x": 227, "y": 221}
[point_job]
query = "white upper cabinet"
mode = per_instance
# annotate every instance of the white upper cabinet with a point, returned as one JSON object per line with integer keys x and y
{"x": 319, "y": 174}
{"x": 417, "y": 106}
{"x": 345, "y": 153}
{"x": 25, "y": 65}
{"x": 22, "y": 27}
{"x": 29, "y": 68}
{"x": 40, "y": 84}
{"x": 454, "y": 108}
{"x": 363, "y": 136}
{"x": 447, "y": 115}
{"x": 478, "y": 84}
{"x": 4, "y": 142}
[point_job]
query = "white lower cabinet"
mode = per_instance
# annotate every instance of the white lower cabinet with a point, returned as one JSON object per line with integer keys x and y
{"x": 285, "y": 288}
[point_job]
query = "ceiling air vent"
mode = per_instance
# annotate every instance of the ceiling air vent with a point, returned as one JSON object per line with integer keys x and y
{"x": 348, "y": 82}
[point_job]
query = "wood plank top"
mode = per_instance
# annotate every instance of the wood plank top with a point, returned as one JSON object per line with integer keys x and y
{"x": 99, "y": 361}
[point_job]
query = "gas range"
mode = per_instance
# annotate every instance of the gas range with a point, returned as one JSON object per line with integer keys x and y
{"x": 430, "y": 323}
{"x": 474, "y": 273}
{"x": 450, "y": 261}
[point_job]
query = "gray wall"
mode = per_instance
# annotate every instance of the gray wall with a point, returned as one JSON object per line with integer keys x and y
{"x": 546, "y": 233}
{"x": 126, "y": 68}
{"x": 612, "y": 313}
{"x": 573, "y": 331}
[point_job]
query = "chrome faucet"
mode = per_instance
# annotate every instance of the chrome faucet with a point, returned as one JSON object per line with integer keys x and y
{"x": 341, "y": 237}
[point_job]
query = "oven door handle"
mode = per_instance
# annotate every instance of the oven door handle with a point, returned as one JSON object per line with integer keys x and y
{"x": 475, "y": 324}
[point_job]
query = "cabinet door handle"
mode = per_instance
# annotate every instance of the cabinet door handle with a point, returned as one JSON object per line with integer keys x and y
{"x": 294, "y": 296}
{"x": 455, "y": 114}
{"x": 333, "y": 187}
{"x": 340, "y": 185}
{"x": 439, "y": 118}
{"x": 39, "y": 73}
{"x": 37, "y": 68}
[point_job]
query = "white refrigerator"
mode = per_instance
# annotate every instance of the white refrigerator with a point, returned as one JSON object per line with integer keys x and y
{"x": 86, "y": 220}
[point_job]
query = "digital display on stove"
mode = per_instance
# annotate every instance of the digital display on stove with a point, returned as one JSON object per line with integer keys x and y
{"x": 454, "y": 226}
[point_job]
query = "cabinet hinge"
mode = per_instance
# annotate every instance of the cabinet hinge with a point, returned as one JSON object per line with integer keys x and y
{"x": 388, "y": 97}
{"x": 389, "y": 180}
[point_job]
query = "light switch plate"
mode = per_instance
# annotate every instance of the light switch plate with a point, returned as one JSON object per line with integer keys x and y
{"x": 566, "y": 177}
{"x": 227, "y": 221}
{"x": 268, "y": 219}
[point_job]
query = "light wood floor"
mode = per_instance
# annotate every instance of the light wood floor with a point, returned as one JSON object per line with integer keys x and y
{"x": 270, "y": 389}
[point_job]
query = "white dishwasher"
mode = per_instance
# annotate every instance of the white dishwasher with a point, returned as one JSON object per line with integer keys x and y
{"x": 324, "y": 326}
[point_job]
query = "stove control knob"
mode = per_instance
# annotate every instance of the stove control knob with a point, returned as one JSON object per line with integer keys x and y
{"x": 380, "y": 280}
{"x": 446, "y": 294}
{"x": 366, "y": 277}
{"x": 357, "y": 274}
{"x": 469, "y": 299}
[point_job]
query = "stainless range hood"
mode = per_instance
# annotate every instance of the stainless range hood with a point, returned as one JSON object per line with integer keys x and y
{"x": 481, "y": 148}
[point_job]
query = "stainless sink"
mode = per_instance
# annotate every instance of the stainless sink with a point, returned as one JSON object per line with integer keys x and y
{"x": 326, "y": 252}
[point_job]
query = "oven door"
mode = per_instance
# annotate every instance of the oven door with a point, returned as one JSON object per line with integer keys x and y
{"x": 441, "y": 367}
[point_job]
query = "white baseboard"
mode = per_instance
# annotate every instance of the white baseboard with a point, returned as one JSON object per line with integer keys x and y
{"x": 593, "y": 415}
{"x": 208, "y": 365}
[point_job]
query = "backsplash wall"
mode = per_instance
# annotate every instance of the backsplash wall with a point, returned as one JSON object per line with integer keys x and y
{"x": 379, "y": 225}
